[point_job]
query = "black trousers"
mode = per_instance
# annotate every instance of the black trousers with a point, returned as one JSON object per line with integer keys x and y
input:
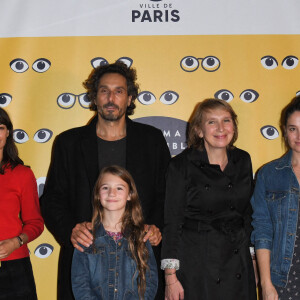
{"x": 16, "y": 280}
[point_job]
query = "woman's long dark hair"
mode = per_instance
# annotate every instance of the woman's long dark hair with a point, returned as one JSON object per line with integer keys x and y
{"x": 132, "y": 222}
{"x": 10, "y": 152}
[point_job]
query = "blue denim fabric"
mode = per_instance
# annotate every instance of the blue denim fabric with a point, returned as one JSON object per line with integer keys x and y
{"x": 275, "y": 215}
{"x": 110, "y": 272}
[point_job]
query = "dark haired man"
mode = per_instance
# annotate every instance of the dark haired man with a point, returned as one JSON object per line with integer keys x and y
{"x": 80, "y": 153}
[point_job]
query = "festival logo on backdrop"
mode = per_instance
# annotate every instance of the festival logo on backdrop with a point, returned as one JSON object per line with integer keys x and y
{"x": 156, "y": 11}
{"x": 174, "y": 131}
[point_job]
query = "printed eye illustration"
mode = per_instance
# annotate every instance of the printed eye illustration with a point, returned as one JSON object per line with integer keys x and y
{"x": 40, "y": 182}
{"x": 269, "y": 132}
{"x": 5, "y": 99}
{"x": 43, "y": 135}
{"x": 269, "y": 62}
{"x": 66, "y": 100}
{"x": 169, "y": 97}
{"x": 298, "y": 93}
{"x": 290, "y": 62}
{"x": 210, "y": 63}
{"x": 43, "y": 250}
{"x": 249, "y": 96}
{"x": 189, "y": 64}
{"x": 146, "y": 98}
{"x": 224, "y": 95}
{"x": 41, "y": 65}
{"x": 19, "y": 65}
{"x": 98, "y": 61}
{"x": 126, "y": 60}
{"x": 84, "y": 100}
{"x": 20, "y": 136}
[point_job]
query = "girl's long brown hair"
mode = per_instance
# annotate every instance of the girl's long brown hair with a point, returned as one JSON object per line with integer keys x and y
{"x": 132, "y": 222}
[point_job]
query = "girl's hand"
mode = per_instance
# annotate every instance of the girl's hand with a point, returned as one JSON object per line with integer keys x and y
{"x": 174, "y": 289}
{"x": 8, "y": 246}
{"x": 269, "y": 292}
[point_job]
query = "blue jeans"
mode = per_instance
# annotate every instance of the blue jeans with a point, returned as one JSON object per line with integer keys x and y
{"x": 16, "y": 280}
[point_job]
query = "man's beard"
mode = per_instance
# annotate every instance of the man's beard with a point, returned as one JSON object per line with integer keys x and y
{"x": 110, "y": 116}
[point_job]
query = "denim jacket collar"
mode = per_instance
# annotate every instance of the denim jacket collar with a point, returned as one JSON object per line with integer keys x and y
{"x": 285, "y": 161}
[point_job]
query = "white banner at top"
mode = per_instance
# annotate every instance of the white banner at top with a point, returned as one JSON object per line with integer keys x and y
{"x": 39, "y": 18}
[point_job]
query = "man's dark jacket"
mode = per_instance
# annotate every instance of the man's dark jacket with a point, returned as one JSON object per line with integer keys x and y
{"x": 67, "y": 196}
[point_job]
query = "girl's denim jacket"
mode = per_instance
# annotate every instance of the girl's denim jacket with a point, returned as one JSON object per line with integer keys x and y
{"x": 108, "y": 271}
{"x": 275, "y": 215}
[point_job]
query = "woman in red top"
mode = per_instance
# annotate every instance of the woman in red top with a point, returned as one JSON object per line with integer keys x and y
{"x": 20, "y": 218}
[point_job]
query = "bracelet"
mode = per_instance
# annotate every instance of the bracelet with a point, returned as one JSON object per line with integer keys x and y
{"x": 172, "y": 283}
{"x": 168, "y": 274}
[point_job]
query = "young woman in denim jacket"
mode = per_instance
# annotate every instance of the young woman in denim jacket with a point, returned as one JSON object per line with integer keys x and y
{"x": 118, "y": 265}
{"x": 275, "y": 219}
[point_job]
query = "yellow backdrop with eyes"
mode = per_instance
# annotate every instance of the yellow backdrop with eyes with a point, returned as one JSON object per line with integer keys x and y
{"x": 188, "y": 68}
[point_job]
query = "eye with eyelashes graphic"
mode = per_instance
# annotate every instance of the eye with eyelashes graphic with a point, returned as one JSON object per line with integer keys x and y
{"x": 126, "y": 60}
{"x": 269, "y": 132}
{"x": 209, "y": 63}
{"x": 41, "y": 65}
{"x": 5, "y": 99}
{"x": 43, "y": 250}
{"x": 67, "y": 100}
{"x": 224, "y": 94}
{"x": 19, "y": 65}
{"x": 101, "y": 61}
{"x": 20, "y": 136}
{"x": 147, "y": 98}
{"x": 98, "y": 61}
{"x": 40, "y": 185}
{"x": 269, "y": 62}
{"x": 249, "y": 96}
{"x": 169, "y": 97}
{"x": 43, "y": 135}
{"x": 290, "y": 62}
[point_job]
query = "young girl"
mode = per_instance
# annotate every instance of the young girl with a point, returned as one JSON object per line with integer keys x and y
{"x": 118, "y": 265}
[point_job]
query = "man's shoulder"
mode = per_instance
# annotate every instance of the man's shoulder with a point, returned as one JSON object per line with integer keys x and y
{"x": 74, "y": 133}
{"x": 143, "y": 128}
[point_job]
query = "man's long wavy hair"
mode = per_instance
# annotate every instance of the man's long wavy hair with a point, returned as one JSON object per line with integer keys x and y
{"x": 92, "y": 83}
{"x": 132, "y": 222}
{"x": 10, "y": 152}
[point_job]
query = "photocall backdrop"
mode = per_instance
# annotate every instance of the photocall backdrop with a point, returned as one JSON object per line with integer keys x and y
{"x": 184, "y": 52}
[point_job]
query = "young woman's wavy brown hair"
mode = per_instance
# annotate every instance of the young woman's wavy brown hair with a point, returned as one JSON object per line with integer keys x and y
{"x": 132, "y": 222}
